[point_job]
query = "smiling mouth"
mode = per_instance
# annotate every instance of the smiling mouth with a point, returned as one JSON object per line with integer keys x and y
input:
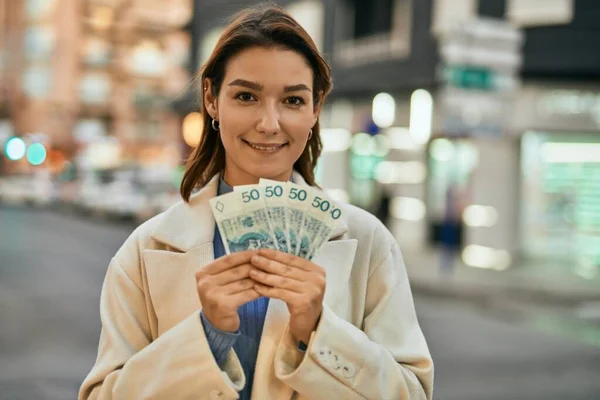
{"x": 266, "y": 147}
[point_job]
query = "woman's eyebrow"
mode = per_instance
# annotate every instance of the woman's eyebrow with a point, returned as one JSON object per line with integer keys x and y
{"x": 244, "y": 83}
{"x": 258, "y": 87}
{"x": 295, "y": 88}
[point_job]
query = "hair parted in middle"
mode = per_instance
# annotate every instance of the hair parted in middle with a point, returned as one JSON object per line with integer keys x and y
{"x": 269, "y": 26}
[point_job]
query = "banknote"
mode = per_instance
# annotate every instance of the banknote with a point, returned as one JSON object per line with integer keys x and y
{"x": 296, "y": 197}
{"x": 243, "y": 221}
{"x": 326, "y": 211}
{"x": 277, "y": 210}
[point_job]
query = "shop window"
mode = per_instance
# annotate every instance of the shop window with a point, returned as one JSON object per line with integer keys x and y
{"x": 560, "y": 200}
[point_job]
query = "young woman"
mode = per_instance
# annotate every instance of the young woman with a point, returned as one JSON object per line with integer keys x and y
{"x": 181, "y": 320}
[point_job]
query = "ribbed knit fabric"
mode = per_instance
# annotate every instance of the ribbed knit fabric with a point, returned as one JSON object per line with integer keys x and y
{"x": 246, "y": 340}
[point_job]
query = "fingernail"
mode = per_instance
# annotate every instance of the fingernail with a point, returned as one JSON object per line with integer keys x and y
{"x": 257, "y": 259}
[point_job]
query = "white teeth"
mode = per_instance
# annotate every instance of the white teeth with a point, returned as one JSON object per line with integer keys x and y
{"x": 265, "y": 148}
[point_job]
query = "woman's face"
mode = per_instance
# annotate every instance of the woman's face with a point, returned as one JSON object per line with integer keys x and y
{"x": 265, "y": 112}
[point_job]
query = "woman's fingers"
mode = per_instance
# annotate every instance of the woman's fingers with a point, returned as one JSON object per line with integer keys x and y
{"x": 278, "y": 268}
{"x": 243, "y": 297}
{"x": 231, "y": 275}
{"x": 276, "y": 281}
{"x": 238, "y": 286}
{"x": 287, "y": 296}
{"x": 226, "y": 262}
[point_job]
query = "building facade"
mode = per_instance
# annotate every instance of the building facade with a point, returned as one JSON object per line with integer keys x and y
{"x": 94, "y": 80}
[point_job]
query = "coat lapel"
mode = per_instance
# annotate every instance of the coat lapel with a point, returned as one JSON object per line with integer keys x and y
{"x": 187, "y": 230}
{"x": 172, "y": 282}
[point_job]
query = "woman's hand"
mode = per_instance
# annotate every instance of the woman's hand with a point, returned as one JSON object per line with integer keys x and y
{"x": 294, "y": 280}
{"x": 223, "y": 286}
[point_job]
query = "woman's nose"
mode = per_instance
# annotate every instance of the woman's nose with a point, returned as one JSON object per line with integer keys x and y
{"x": 269, "y": 121}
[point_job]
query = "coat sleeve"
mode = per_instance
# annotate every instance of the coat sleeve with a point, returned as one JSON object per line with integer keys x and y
{"x": 387, "y": 359}
{"x": 177, "y": 365}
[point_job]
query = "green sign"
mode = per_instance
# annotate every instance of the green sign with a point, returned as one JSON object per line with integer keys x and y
{"x": 470, "y": 77}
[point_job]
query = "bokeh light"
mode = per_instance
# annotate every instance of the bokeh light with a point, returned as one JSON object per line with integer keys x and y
{"x": 15, "y": 148}
{"x": 36, "y": 154}
{"x": 192, "y": 129}
{"x": 384, "y": 110}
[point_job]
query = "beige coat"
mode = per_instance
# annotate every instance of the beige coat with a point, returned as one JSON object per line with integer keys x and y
{"x": 368, "y": 344}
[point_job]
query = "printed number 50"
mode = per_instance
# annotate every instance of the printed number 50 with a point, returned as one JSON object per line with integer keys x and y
{"x": 251, "y": 195}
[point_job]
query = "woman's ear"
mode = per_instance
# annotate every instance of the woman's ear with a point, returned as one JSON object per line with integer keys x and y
{"x": 210, "y": 101}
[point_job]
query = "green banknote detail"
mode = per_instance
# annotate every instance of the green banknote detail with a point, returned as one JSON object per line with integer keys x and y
{"x": 278, "y": 218}
{"x": 247, "y": 232}
{"x": 295, "y": 222}
{"x": 311, "y": 229}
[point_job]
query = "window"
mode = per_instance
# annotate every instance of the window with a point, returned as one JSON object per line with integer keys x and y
{"x": 148, "y": 59}
{"x": 372, "y": 17}
{"x": 37, "y": 81}
{"x": 311, "y": 16}
{"x": 39, "y": 9}
{"x": 39, "y": 43}
{"x": 95, "y": 88}
{"x": 373, "y": 31}
{"x": 540, "y": 12}
{"x": 96, "y": 52}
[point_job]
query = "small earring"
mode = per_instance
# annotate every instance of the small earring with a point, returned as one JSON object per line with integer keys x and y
{"x": 310, "y": 134}
{"x": 214, "y": 125}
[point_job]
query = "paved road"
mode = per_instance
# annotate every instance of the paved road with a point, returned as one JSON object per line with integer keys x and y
{"x": 52, "y": 267}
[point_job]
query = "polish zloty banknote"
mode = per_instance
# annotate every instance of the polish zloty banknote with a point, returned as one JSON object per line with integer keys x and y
{"x": 325, "y": 210}
{"x": 243, "y": 221}
{"x": 277, "y": 210}
{"x": 317, "y": 223}
{"x": 296, "y": 197}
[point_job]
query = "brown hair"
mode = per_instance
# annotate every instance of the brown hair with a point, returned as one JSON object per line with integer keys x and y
{"x": 268, "y": 26}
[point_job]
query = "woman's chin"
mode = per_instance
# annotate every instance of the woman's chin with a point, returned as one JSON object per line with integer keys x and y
{"x": 272, "y": 172}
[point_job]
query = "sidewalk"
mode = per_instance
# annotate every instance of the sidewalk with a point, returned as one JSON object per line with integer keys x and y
{"x": 530, "y": 282}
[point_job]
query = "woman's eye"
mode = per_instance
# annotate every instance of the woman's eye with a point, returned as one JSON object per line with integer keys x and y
{"x": 295, "y": 101}
{"x": 244, "y": 96}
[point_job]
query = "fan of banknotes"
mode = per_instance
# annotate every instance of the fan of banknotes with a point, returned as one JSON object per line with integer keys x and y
{"x": 277, "y": 215}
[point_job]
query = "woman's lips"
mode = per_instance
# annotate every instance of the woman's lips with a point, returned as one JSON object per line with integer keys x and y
{"x": 266, "y": 147}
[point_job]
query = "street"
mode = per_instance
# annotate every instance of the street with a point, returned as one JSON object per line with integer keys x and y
{"x": 52, "y": 266}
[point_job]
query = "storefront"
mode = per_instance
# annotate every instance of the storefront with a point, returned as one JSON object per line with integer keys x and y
{"x": 559, "y": 204}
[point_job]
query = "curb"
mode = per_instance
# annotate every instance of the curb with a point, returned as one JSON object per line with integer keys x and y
{"x": 485, "y": 293}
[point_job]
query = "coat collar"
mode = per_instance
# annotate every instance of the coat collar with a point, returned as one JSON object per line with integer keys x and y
{"x": 185, "y": 226}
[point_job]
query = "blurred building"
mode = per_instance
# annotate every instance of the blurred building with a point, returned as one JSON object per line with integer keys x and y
{"x": 94, "y": 80}
{"x": 494, "y": 101}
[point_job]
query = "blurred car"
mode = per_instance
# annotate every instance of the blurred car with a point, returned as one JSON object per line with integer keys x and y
{"x": 89, "y": 193}
{"x": 160, "y": 196}
{"x": 36, "y": 190}
{"x": 123, "y": 199}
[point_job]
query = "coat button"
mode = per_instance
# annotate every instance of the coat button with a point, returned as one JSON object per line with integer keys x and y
{"x": 216, "y": 395}
{"x": 348, "y": 371}
{"x": 324, "y": 354}
{"x": 336, "y": 362}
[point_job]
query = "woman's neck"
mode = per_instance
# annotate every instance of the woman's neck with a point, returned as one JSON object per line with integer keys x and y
{"x": 239, "y": 178}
